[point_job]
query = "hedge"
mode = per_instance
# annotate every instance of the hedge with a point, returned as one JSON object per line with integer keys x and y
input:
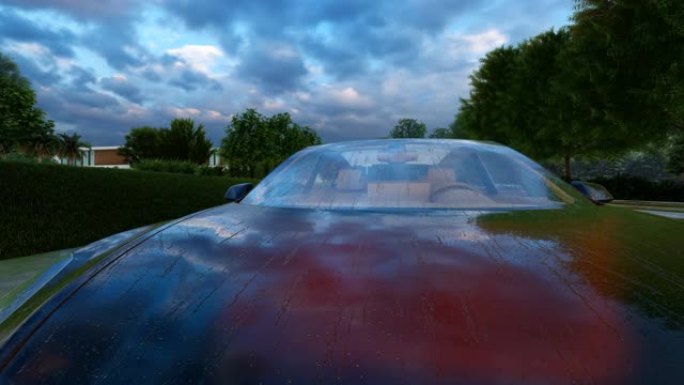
{"x": 635, "y": 188}
{"x": 52, "y": 207}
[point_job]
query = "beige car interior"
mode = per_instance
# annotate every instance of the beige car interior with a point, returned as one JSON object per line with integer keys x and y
{"x": 352, "y": 182}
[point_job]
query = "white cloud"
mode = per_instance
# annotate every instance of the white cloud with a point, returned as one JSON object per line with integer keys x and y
{"x": 347, "y": 96}
{"x": 484, "y": 42}
{"x": 200, "y": 58}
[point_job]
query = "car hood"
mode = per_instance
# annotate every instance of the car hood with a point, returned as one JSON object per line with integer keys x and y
{"x": 255, "y": 295}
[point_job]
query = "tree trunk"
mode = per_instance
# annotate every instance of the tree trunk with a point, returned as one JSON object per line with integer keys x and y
{"x": 568, "y": 169}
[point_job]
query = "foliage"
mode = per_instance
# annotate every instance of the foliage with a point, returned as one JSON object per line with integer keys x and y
{"x": 70, "y": 147}
{"x": 255, "y": 144}
{"x": 20, "y": 120}
{"x": 651, "y": 165}
{"x": 141, "y": 143}
{"x": 441, "y": 133}
{"x": 631, "y": 56}
{"x": 408, "y": 128}
{"x": 182, "y": 141}
{"x": 636, "y": 188}
{"x": 164, "y": 165}
{"x": 23, "y": 158}
{"x": 42, "y": 145}
{"x": 675, "y": 154}
{"x": 210, "y": 171}
{"x": 538, "y": 98}
{"x": 48, "y": 207}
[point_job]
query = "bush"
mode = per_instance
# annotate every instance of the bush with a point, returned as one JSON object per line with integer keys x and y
{"x": 210, "y": 171}
{"x": 51, "y": 207}
{"x": 26, "y": 158}
{"x": 162, "y": 165}
{"x": 635, "y": 188}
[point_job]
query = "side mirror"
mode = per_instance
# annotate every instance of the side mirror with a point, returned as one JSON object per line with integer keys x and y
{"x": 237, "y": 192}
{"x": 595, "y": 192}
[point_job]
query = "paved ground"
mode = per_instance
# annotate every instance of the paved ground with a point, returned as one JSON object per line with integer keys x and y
{"x": 667, "y": 214}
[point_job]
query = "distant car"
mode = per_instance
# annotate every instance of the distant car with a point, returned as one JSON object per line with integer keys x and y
{"x": 594, "y": 191}
{"x": 369, "y": 262}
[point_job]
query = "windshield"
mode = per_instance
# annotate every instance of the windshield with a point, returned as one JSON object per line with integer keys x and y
{"x": 409, "y": 174}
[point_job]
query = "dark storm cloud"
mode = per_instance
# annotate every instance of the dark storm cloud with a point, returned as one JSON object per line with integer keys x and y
{"x": 81, "y": 77}
{"x": 190, "y": 80}
{"x": 275, "y": 68}
{"x": 349, "y": 69}
{"x": 87, "y": 97}
{"x": 343, "y": 36}
{"x": 35, "y": 73}
{"x": 99, "y": 125}
{"x": 117, "y": 43}
{"x": 111, "y": 28}
{"x": 122, "y": 87}
{"x": 18, "y": 28}
{"x": 187, "y": 78}
{"x": 78, "y": 8}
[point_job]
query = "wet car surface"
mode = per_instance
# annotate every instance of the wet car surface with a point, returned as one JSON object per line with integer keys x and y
{"x": 253, "y": 293}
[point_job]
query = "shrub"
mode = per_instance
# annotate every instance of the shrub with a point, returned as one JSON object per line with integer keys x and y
{"x": 162, "y": 165}
{"x": 635, "y": 188}
{"x": 210, "y": 171}
{"x": 52, "y": 207}
{"x": 26, "y": 158}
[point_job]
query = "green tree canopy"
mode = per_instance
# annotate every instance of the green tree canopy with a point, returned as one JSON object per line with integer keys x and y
{"x": 441, "y": 133}
{"x": 631, "y": 55}
{"x": 533, "y": 98}
{"x": 254, "y": 143}
{"x": 141, "y": 143}
{"x": 408, "y": 128}
{"x": 20, "y": 119}
{"x": 182, "y": 141}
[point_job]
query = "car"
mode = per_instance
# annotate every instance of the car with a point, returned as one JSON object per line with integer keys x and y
{"x": 407, "y": 261}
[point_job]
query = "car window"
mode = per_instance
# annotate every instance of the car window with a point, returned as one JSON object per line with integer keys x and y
{"x": 409, "y": 174}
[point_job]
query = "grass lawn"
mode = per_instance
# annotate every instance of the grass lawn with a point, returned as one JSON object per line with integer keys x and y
{"x": 50, "y": 207}
{"x": 18, "y": 273}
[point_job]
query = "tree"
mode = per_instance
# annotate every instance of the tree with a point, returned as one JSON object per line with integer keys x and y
{"x": 19, "y": 118}
{"x": 441, "y": 133}
{"x": 42, "y": 145}
{"x": 182, "y": 141}
{"x": 141, "y": 143}
{"x": 254, "y": 143}
{"x": 530, "y": 98}
{"x": 70, "y": 147}
{"x": 290, "y": 137}
{"x": 408, "y": 128}
{"x": 486, "y": 113}
{"x": 675, "y": 154}
{"x": 632, "y": 55}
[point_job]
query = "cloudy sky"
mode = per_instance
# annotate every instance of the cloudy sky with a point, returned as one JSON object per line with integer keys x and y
{"x": 347, "y": 68}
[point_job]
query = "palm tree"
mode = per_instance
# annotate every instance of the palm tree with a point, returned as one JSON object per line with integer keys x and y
{"x": 42, "y": 145}
{"x": 70, "y": 147}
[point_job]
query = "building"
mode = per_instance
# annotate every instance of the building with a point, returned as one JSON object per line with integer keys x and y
{"x": 102, "y": 156}
{"x": 108, "y": 156}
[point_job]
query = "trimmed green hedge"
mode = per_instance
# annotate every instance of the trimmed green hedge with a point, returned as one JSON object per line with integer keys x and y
{"x": 163, "y": 165}
{"x": 51, "y": 207}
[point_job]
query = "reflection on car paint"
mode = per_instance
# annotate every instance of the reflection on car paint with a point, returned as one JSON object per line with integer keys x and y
{"x": 251, "y": 294}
